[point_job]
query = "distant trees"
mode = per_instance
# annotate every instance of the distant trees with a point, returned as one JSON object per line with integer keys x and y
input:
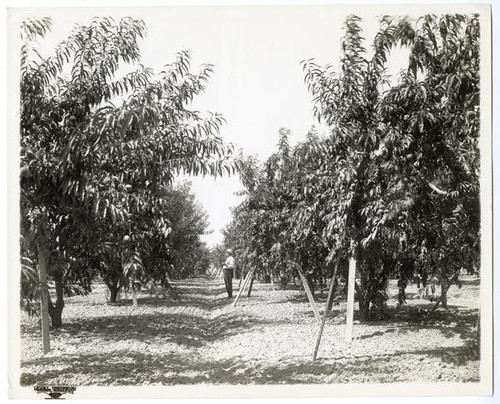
{"x": 99, "y": 152}
{"x": 217, "y": 256}
{"x": 176, "y": 254}
{"x": 188, "y": 254}
{"x": 398, "y": 174}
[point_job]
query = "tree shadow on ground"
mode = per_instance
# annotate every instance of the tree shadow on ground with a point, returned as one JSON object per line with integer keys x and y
{"x": 127, "y": 367}
{"x": 379, "y": 333}
{"x": 183, "y": 328}
{"x": 456, "y": 320}
{"x": 209, "y": 302}
{"x": 200, "y": 290}
{"x": 470, "y": 281}
{"x": 181, "y": 294}
{"x": 301, "y": 298}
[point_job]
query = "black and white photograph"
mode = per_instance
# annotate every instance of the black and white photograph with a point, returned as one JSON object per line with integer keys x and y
{"x": 237, "y": 201}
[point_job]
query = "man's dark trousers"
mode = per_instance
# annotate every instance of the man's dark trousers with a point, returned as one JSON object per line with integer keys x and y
{"x": 228, "y": 280}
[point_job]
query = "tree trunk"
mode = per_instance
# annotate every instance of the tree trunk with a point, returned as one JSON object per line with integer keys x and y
{"x": 449, "y": 283}
{"x": 329, "y": 303}
{"x": 134, "y": 297}
{"x": 114, "y": 289}
{"x": 250, "y": 287}
{"x": 113, "y": 294}
{"x": 364, "y": 309}
{"x": 444, "y": 291}
{"x": 55, "y": 311}
{"x": 44, "y": 298}
{"x": 364, "y": 303}
{"x": 241, "y": 277}
{"x": 284, "y": 282}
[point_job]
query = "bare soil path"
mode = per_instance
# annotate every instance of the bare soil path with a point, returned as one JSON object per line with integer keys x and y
{"x": 198, "y": 338}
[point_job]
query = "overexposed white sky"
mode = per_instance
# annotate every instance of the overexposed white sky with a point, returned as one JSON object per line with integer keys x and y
{"x": 258, "y": 82}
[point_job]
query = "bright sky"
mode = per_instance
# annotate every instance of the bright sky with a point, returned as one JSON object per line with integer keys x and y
{"x": 257, "y": 83}
{"x": 258, "y": 80}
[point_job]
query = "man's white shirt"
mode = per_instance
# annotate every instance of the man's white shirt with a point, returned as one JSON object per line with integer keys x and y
{"x": 229, "y": 262}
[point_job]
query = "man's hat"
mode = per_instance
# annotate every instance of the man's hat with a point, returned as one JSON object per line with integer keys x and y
{"x": 229, "y": 251}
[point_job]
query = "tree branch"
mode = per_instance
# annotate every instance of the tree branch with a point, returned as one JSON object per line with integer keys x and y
{"x": 436, "y": 189}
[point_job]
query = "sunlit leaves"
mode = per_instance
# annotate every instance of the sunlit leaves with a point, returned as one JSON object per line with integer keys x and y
{"x": 107, "y": 145}
{"x": 401, "y": 161}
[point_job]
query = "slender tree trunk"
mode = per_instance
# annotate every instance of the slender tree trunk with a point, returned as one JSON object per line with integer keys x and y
{"x": 44, "y": 294}
{"x": 241, "y": 277}
{"x": 55, "y": 310}
{"x": 363, "y": 299}
{"x": 329, "y": 304}
{"x": 134, "y": 297}
{"x": 364, "y": 309}
{"x": 449, "y": 283}
{"x": 250, "y": 287}
{"x": 444, "y": 291}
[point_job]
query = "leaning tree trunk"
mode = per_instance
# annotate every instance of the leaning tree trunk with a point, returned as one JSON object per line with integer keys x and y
{"x": 444, "y": 291}
{"x": 55, "y": 310}
{"x": 250, "y": 287}
{"x": 242, "y": 273}
{"x": 329, "y": 304}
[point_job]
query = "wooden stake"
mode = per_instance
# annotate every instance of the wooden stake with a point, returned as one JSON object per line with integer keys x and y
{"x": 350, "y": 298}
{"x": 328, "y": 302}
{"x": 44, "y": 301}
{"x": 309, "y": 293}
{"x": 249, "y": 275}
{"x": 216, "y": 272}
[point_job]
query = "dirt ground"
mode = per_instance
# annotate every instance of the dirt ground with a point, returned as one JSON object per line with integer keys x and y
{"x": 197, "y": 337}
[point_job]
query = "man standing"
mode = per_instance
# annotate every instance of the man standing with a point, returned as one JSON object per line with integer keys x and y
{"x": 228, "y": 269}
